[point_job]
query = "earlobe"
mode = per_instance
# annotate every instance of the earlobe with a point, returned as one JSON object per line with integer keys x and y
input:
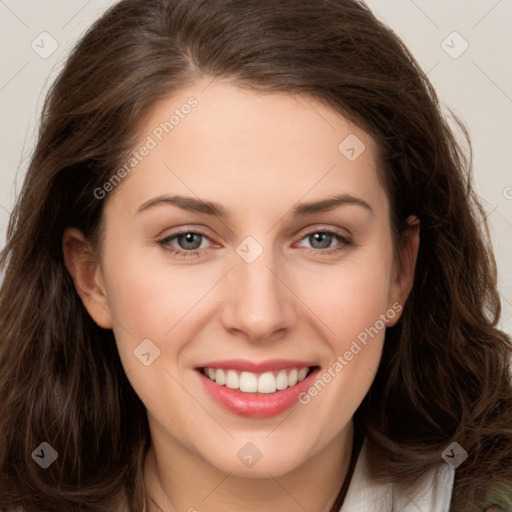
{"x": 404, "y": 269}
{"x": 85, "y": 270}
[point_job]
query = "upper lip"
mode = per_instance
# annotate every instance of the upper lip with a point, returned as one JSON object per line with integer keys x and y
{"x": 257, "y": 366}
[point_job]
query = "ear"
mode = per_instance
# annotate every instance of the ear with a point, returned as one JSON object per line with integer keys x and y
{"x": 85, "y": 270}
{"x": 403, "y": 271}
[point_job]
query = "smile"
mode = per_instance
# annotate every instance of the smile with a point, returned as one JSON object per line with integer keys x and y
{"x": 256, "y": 390}
{"x": 249, "y": 382}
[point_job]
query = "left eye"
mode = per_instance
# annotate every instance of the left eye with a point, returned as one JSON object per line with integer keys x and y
{"x": 190, "y": 240}
{"x": 323, "y": 239}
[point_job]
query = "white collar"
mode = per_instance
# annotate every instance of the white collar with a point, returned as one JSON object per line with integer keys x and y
{"x": 363, "y": 495}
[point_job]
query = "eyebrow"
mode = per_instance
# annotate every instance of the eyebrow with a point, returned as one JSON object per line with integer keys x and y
{"x": 193, "y": 204}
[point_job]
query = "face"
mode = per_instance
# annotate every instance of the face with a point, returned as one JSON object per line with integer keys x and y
{"x": 281, "y": 290}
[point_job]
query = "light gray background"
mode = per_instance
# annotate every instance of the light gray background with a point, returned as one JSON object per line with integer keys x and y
{"x": 477, "y": 85}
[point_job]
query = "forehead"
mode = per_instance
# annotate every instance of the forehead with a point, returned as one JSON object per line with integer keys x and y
{"x": 243, "y": 147}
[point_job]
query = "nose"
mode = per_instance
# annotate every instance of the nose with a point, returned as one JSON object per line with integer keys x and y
{"x": 259, "y": 302}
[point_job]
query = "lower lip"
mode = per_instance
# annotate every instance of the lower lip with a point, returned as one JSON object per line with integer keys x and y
{"x": 257, "y": 405}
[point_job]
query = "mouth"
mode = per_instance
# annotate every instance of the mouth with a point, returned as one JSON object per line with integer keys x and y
{"x": 250, "y": 382}
{"x": 256, "y": 394}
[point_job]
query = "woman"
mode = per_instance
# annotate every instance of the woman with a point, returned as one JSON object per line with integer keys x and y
{"x": 247, "y": 271}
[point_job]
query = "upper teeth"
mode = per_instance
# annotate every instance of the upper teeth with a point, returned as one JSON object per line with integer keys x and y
{"x": 249, "y": 382}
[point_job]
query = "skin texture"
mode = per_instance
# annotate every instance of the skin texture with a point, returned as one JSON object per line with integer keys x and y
{"x": 258, "y": 155}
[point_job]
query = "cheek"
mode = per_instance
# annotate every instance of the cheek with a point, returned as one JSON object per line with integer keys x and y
{"x": 150, "y": 301}
{"x": 149, "y": 297}
{"x": 350, "y": 306}
{"x": 351, "y": 297}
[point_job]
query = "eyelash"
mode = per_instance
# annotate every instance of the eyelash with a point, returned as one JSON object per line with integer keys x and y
{"x": 165, "y": 243}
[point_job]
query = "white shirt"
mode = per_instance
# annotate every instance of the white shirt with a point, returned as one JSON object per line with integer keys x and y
{"x": 365, "y": 496}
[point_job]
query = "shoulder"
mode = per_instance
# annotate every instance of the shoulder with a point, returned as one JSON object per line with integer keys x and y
{"x": 433, "y": 493}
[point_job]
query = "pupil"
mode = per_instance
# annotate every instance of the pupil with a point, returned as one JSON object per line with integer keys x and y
{"x": 189, "y": 239}
{"x": 321, "y": 237}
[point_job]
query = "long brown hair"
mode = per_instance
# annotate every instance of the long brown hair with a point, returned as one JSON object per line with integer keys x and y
{"x": 444, "y": 372}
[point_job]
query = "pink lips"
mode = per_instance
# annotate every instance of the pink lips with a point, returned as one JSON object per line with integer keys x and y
{"x": 256, "y": 405}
